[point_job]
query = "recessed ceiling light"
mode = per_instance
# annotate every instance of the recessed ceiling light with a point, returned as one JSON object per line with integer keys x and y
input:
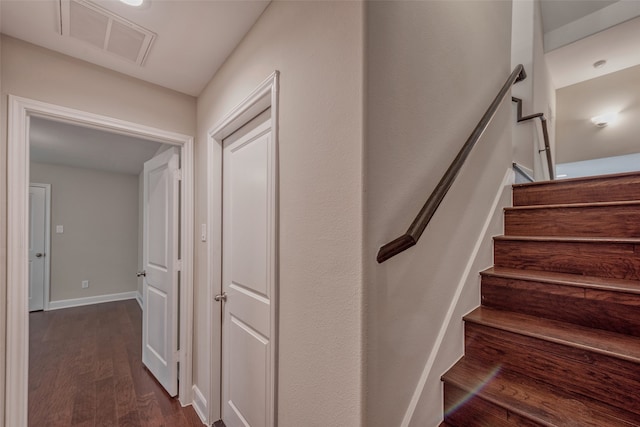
{"x": 604, "y": 119}
{"x": 598, "y": 64}
{"x": 135, "y": 3}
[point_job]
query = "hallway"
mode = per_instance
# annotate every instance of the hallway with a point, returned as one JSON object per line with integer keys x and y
{"x": 85, "y": 369}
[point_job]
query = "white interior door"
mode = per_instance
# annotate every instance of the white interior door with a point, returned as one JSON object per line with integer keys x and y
{"x": 248, "y": 275}
{"x": 160, "y": 263}
{"x": 37, "y": 252}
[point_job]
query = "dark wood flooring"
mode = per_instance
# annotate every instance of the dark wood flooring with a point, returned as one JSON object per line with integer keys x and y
{"x": 85, "y": 369}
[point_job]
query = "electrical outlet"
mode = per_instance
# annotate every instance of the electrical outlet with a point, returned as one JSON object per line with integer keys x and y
{"x": 85, "y": 284}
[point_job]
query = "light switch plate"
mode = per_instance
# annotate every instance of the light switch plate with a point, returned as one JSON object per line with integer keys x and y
{"x": 59, "y": 229}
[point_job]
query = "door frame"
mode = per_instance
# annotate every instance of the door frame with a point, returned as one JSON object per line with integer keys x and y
{"x": 17, "y": 338}
{"x": 266, "y": 95}
{"x": 47, "y": 240}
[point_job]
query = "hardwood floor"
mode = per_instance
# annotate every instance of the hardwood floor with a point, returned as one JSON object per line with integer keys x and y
{"x": 85, "y": 369}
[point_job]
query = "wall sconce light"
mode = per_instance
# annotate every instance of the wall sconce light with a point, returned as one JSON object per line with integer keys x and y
{"x": 134, "y": 3}
{"x": 604, "y": 119}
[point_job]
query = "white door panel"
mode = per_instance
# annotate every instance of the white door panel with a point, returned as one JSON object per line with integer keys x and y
{"x": 37, "y": 254}
{"x": 160, "y": 259}
{"x": 248, "y": 275}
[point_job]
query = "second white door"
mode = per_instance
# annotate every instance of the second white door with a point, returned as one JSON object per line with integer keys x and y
{"x": 249, "y": 275}
{"x": 161, "y": 267}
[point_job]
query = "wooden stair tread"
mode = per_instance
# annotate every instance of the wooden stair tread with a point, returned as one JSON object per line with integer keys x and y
{"x": 579, "y": 179}
{"x": 595, "y": 340}
{"x": 574, "y": 205}
{"x": 627, "y": 240}
{"x": 576, "y": 280}
{"x": 533, "y": 399}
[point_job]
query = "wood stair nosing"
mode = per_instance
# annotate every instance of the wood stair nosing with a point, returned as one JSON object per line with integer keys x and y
{"x": 565, "y": 279}
{"x": 573, "y": 206}
{"x": 607, "y": 343}
{"x": 530, "y": 399}
{"x": 571, "y": 239}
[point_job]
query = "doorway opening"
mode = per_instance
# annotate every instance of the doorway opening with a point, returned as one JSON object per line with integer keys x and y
{"x": 21, "y": 112}
{"x": 244, "y": 267}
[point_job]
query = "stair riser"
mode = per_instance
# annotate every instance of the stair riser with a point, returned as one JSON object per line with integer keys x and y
{"x": 583, "y": 221}
{"x": 613, "y": 260}
{"x": 463, "y": 410}
{"x": 576, "y": 370}
{"x": 611, "y": 189}
{"x": 611, "y": 311}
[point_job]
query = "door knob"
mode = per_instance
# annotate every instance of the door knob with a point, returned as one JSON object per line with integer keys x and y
{"x": 141, "y": 273}
{"x": 39, "y": 255}
{"x": 221, "y": 297}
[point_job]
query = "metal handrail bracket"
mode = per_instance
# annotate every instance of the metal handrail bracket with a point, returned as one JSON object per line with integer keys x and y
{"x": 410, "y": 238}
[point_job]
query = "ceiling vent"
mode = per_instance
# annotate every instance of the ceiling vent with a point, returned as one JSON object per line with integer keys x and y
{"x": 103, "y": 29}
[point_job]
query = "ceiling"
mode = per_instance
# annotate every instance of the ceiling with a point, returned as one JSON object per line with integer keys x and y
{"x": 193, "y": 37}
{"x": 579, "y": 33}
{"x": 67, "y": 144}
{"x": 556, "y": 14}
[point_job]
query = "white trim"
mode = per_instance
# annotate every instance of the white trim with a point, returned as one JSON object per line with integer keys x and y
{"x": 264, "y": 96}
{"x": 98, "y": 299}
{"x": 47, "y": 241}
{"x": 200, "y": 404}
{"x": 17, "y": 356}
{"x": 139, "y": 300}
{"x": 506, "y": 183}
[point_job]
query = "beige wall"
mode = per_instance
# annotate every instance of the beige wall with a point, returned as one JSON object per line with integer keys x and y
{"x": 433, "y": 68}
{"x": 577, "y": 138}
{"x": 544, "y": 99}
{"x": 537, "y": 91}
{"x": 36, "y": 73}
{"x": 317, "y": 46}
{"x": 522, "y": 47}
{"x": 3, "y": 249}
{"x": 99, "y": 212}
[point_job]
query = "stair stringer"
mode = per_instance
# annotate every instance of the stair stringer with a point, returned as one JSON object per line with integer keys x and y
{"x": 449, "y": 345}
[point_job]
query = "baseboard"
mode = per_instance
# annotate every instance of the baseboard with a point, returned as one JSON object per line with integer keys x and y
{"x": 200, "y": 404}
{"x": 139, "y": 299}
{"x": 78, "y": 302}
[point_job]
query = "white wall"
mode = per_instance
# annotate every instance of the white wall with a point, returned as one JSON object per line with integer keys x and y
{"x": 317, "y": 47}
{"x": 578, "y": 138}
{"x": 99, "y": 213}
{"x": 433, "y": 68}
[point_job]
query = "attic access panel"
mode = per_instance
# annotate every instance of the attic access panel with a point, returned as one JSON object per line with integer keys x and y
{"x": 90, "y": 23}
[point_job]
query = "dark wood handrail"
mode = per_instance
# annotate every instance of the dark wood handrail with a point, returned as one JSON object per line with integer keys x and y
{"x": 410, "y": 238}
{"x": 545, "y": 133}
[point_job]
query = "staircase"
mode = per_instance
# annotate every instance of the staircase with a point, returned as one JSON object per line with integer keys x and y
{"x": 556, "y": 341}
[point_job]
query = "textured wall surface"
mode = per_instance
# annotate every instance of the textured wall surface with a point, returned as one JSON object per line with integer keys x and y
{"x": 317, "y": 47}
{"x": 433, "y": 68}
